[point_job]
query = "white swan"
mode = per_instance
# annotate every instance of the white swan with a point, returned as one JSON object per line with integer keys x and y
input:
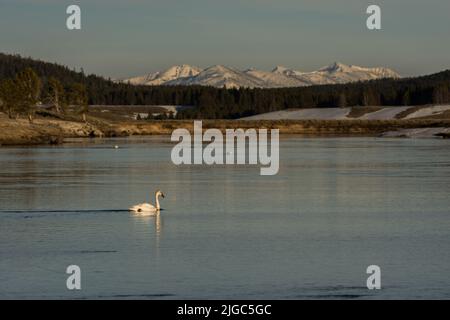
{"x": 147, "y": 208}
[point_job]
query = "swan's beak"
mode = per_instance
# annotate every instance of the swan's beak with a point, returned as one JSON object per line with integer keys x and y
{"x": 162, "y": 195}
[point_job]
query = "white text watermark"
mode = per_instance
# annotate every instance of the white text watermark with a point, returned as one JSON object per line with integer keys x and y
{"x": 249, "y": 146}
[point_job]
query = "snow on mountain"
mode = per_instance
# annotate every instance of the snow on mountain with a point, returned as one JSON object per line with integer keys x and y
{"x": 222, "y": 76}
{"x": 286, "y": 71}
{"x": 162, "y": 77}
{"x": 278, "y": 78}
{"x": 341, "y": 73}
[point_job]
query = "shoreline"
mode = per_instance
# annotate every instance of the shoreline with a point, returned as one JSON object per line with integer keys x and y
{"x": 47, "y": 131}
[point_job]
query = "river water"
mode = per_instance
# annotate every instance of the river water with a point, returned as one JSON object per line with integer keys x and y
{"x": 337, "y": 206}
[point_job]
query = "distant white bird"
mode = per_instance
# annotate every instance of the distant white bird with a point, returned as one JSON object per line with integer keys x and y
{"x": 145, "y": 209}
{"x": 116, "y": 147}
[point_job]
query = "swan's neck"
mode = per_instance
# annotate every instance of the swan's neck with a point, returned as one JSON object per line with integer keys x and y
{"x": 157, "y": 202}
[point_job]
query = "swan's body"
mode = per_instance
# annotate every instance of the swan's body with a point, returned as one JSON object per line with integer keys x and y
{"x": 145, "y": 209}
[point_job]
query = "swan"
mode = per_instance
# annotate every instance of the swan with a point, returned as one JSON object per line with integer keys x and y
{"x": 147, "y": 208}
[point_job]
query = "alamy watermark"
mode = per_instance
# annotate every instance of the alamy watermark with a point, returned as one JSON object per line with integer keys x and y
{"x": 374, "y": 20}
{"x": 374, "y": 280}
{"x": 240, "y": 146}
{"x": 73, "y": 282}
{"x": 73, "y": 21}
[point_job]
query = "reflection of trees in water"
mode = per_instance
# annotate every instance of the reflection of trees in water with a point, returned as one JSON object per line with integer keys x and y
{"x": 22, "y": 173}
{"x": 47, "y": 175}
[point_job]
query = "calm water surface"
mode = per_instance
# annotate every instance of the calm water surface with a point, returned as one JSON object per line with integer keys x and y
{"x": 337, "y": 206}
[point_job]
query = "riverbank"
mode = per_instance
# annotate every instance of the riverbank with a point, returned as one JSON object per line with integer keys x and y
{"x": 49, "y": 130}
{"x": 359, "y": 113}
{"x": 43, "y": 131}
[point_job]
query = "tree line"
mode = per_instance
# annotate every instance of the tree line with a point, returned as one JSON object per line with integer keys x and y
{"x": 223, "y": 103}
{"x": 21, "y": 95}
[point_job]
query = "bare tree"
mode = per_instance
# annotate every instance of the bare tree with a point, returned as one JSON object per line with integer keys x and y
{"x": 56, "y": 94}
{"x": 78, "y": 97}
{"x": 29, "y": 89}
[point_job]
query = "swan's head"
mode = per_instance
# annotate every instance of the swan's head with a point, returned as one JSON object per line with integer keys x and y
{"x": 159, "y": 193}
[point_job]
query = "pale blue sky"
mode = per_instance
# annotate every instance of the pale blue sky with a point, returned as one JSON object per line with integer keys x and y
{"x": 127, "y": 38}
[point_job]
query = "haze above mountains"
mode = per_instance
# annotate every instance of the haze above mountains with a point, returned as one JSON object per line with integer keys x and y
{"x": 222, "y": 76}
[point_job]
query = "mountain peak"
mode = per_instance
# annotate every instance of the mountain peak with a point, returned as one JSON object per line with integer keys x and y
{"x": 169, "y": 74}
{"x": 337, "y": 67}
{"x": 219, "y": 67}
{"x": 280, "y": 69}
{"x": 280, "y": 76}
{"x": 182, "y": 70}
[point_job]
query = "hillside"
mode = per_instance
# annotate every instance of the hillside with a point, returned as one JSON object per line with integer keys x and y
{"x": 221, "y": 103}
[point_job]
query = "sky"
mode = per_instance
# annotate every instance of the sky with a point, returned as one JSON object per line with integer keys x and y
{"x": 127, "y": 38}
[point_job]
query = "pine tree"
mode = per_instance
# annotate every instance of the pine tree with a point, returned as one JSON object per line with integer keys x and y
{"x": 406, "y": 98}
{"x": 440, "y": 94}
{"x": 8, "y": 97}
{"x": 342, "y": 100}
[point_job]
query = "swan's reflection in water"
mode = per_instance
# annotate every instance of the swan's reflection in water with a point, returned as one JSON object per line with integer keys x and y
{"x": 151, "y": 223}
{"x": 158, "y": 226}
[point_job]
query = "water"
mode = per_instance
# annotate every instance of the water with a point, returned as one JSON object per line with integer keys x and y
{"x": 337, "y": 206}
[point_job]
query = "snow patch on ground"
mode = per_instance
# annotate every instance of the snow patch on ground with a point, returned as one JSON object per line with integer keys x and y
{"x": 387, "y": 113}
{"x": 429, "y": 111}
{"x": 384, "y": 114}
{"x": 304, "y": 114}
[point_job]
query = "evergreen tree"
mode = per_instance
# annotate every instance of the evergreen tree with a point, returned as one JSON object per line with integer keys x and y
{"x": 8, "y": 97}
{"x": 342, "y": 100}
{"x": 440, "y": 94}
{"x": 406, "y": 98}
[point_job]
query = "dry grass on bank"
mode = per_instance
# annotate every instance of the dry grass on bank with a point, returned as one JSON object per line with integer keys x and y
{"x": 50, "y": 128}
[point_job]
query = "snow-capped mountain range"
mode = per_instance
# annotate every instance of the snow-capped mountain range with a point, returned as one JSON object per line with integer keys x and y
{"x": 220, "y": 76}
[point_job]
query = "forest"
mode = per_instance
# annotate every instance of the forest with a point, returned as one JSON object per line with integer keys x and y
{"x": 223, "y": 103}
